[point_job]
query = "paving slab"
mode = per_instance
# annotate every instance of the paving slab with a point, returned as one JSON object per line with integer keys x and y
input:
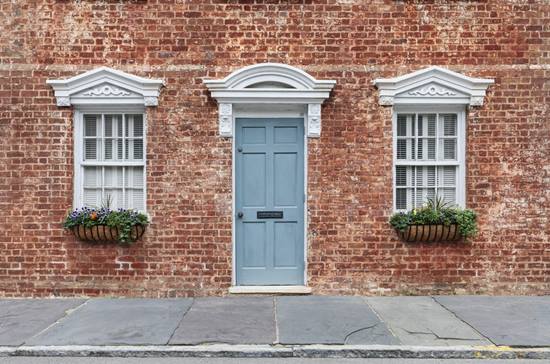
{"x": 423, "y": 321}
{"x": 329, "y": 320}
{"x": 512, "y": 321}
{"x": 230, "y": 320}
{"x": 117, "y": 322}
{"x": 20, "y": 319}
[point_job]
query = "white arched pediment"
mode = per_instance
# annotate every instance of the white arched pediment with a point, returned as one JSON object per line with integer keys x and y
{"x": 104, "y": 86}
{"x": 269, "y": 83}
{"x": 432, "y": 85}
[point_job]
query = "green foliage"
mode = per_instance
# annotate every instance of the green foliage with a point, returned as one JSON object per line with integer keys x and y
{"x": 437, "y": 212}
{"x": 122, "y": 219}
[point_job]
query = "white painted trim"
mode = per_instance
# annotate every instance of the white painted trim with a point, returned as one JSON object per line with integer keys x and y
{"x": 432, "y": 86}
{"x": 269, "y": 290}
{"x": 298, "y": 87}
{"x": 106, "y": 86}
{"x": 79, "y": 163}
{"x": 461, "y": 146}
{"x": 266, "y": 112}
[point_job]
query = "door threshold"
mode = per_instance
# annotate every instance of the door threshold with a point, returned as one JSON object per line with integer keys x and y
{"x": 269, "y": 290}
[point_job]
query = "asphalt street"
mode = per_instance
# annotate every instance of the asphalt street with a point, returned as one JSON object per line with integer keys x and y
{"x": 29, "y": 360}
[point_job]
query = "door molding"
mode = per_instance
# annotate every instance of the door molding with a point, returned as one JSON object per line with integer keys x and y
{"x": 265, "y": 112}
{"x": 269, "y": 83}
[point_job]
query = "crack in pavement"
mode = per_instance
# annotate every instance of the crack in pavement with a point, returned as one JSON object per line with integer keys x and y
{"x": 180, "y": 321}
{"x": 68, "y": 312}
{"x": 465, "y": 322}
{"x": 436, "y": 336}
{"x": 359, "y": 330}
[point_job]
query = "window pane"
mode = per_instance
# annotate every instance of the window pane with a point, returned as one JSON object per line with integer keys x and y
{"x": 134, "y": 177}
{"x": 401, "y": 174}
{"x": 447, "y": 176}
{"x": 426, "y": 148}
{"x": 119, "y": 149}
{"x": 431, "y": 148}
{"x": 449, "y": 124}
{"x": 405, "y": 149}
{"x": 109, "y": 146}
{"x": 119, "y": 127}
{"x": 422, "y": 196}
{"x": 426, "y": 125}
{"x": 402, "y": 149}
{"x": 90, "y": 125}
{"x": 92, "y": 177}
{"x": 127, "y": 149}
{"x": 135, "y": 199}
{"x": 401, "y": 198}
{"x": 113, "y": 198}
{"x": 90, "y": 149}
{"x": 425, "y": 176}
{"x": 138, "y": 125}
{"x": 113, "y": 177}
{"x": 108, "y": 125}
{"x": 437, "y": 140}
{"x": 429, "y": 182}
{"x": 92, "y": 197}
{"x": 448, "y": 195}
{"x": 448, "y": 149}
{"x": 405, "y": 125}
{"x": 106, "y": 140}
{"x": 138, "y": 149}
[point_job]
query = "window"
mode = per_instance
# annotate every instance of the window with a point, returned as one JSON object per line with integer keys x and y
{"x": 111, "y": 156}
{"x": 109, "y": 135}
{"x": 428, "y": 156}
{"x": 429, "y": 127}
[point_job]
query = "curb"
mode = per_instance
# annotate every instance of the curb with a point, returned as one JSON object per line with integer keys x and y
{"x": 297, "y": 351}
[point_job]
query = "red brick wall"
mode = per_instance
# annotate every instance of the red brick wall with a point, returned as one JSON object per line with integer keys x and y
{"x": 351, "y": 248}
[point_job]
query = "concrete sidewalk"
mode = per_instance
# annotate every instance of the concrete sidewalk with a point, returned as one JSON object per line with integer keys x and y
{"x": 274, "y": 324}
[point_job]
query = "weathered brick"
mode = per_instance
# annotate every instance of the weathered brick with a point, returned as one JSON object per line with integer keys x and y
{"x": 351, "y": 248}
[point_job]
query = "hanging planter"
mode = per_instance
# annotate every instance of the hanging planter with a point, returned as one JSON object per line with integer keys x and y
{"x": 105, "y": 225}
{"x": 104, "y": 233}
{"x": 435, "y": 222}
{"x": 430, "y": 233}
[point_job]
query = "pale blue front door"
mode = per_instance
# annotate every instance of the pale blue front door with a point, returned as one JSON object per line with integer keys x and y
{"x": 269, "y": 201}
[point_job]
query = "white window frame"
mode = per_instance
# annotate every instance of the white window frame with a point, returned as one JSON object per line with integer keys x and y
{"x": 460, "y": 111}
{"x": 80, "y": 163}
{"x": 433, "y": 90}
{"x": 105, "y": 91}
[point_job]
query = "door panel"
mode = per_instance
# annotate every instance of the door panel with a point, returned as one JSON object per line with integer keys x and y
{"x": 254, "y": 241}
{"x": 286, "y": 188}
{"x": 269, "y": 179}
{"x": 285, "y": 244}
{"x": 254, "y": 179}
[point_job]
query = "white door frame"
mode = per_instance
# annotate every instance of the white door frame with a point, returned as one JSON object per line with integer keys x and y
{"x": 266, "y": 111}
{"x": 269, "y": 90}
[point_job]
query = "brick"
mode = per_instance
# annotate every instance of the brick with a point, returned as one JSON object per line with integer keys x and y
{"x": 187, "y": 250}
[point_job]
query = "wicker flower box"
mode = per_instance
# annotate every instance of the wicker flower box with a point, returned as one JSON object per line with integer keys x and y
{"x": 123, "y": 226}
{"x": 104, "y": 233}
{"x": 430, "y": 233}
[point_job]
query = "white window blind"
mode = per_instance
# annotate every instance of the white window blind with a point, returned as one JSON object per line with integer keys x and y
{"x": 427, "y": 159}
{"x": 113, "y": 161}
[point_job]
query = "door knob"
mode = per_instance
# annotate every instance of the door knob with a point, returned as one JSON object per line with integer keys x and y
{"x": 240, "y": 215}
{"x": 239, "y": 149}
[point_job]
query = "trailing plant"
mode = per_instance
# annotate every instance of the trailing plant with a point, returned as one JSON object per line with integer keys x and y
{"x": 122, "y": 219}
{"x": 437, "y": 212}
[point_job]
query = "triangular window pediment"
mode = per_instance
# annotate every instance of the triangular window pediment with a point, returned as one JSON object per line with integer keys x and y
{"x": 433, "y": 85}
{"x": 106, "y": 86}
